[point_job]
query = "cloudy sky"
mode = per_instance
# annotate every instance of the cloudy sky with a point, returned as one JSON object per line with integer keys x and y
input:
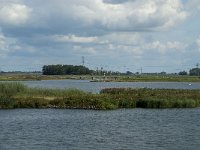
{"x": 155, "y": 35}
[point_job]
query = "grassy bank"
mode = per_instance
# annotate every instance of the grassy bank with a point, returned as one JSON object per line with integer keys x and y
{"x": 17, "y": 95}
{"x": 159, "y": 78}
{"x": 158, "y": 98}
{"x": 108, "y": 78}
{"x": 25, "y": 77}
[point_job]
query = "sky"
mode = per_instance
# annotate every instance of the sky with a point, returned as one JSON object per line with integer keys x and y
{"x": 118, "y": 35}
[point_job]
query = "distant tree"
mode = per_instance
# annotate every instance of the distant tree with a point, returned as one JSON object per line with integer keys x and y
{"x": 65, "y": 70}
{"x": 195, "y": 71}
{"x": 163, "y": 73}
{"x": 182, "y": 73}
{"x": 137, "y": 73}
{"x": 129, "y": 73}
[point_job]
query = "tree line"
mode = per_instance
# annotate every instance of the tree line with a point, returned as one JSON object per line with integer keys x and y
{"x": 192, "y": 72}
{"x": 82, "y": 70}
{"x": 195, "y": 71}
{"x": 65, "y": 70}
{"x": 74, "y": 70}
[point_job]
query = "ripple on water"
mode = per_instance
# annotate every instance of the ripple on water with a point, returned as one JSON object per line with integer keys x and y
{"x": 86, "y": 129}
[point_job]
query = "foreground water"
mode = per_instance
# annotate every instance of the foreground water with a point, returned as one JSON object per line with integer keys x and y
{"x": 139, "y": 129}
{"x": 95, "y": 87}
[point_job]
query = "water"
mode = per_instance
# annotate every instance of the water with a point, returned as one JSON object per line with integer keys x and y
{"x": 95, "y": 87}
{"x": 138, "y": 129}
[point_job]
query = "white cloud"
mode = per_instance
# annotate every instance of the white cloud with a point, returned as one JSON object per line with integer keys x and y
{"x": 5, "y": 44}
{"x": 2, "y": 43}
{"x": 165, "y": 47}
{"x": 193, "y": 5}
{"x": 119, "y": 42}
{"x": 198, "y": 43}
{"x": 74, "y": 39}
{"x": 84, "y": 50}
{"x": 131, "y": 15}
{"x": 88, "y": 15}
{"x": 124, "y": 38}
{"x": 14, "y": 14}
{"x": 138, "y": 48}
{"x": 9, "y": 45}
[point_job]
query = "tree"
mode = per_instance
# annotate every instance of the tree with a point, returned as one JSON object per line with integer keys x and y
{"x": 129, "y": 73}
{"x": 182, "y": 73}
{"x": 195, "y": 71}
{"x": 65, "y": 70}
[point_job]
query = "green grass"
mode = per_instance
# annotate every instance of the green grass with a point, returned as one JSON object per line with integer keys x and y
{"x": 17, "y": 95}
{"x": 158, "y": 98}
{"x": 25, "y": 77}
{"x": 109, "y": 78}
{"x": 159, "y": 78}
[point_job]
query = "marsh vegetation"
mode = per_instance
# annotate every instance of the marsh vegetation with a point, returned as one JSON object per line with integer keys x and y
{"x": 17, "y": 95}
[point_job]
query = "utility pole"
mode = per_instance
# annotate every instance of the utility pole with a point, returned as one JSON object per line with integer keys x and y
{"x": 97, "y": 71}
{"x": 101, "y": 70}
{"x": 141, "y": 70}
{"x": 83, "y": 60}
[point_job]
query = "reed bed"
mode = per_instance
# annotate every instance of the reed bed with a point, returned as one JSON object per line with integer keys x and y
{"x": 17, "y": 95}
{"x": 158, "y": 98}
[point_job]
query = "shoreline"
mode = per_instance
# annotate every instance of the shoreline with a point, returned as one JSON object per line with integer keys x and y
{"x": 94, "y": 78}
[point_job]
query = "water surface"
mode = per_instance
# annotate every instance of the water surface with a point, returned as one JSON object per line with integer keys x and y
{"x": 139, "y": 129}
{"x": 95, "y": 87}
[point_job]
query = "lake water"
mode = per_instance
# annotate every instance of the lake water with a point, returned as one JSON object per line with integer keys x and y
{"x": 95, "y": 87}
{"x": 138, "y": 129}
